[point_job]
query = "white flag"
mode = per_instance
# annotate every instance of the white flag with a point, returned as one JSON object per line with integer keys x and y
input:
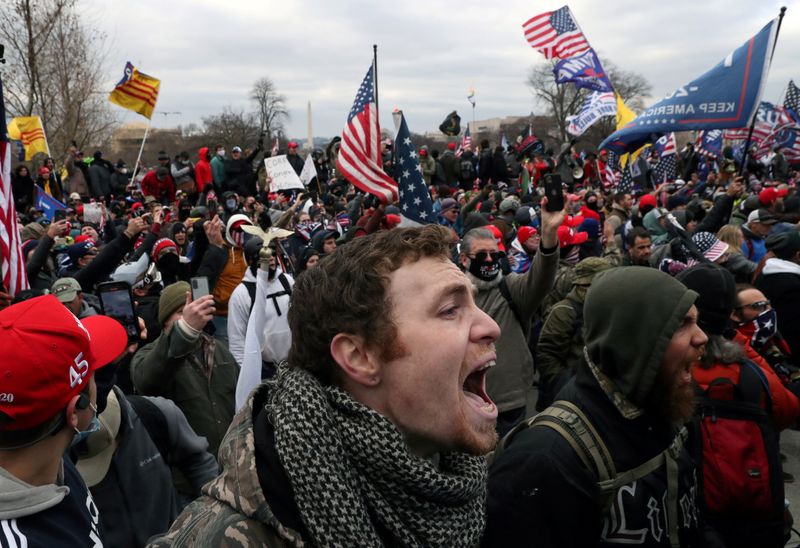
{"x": 597, "y": 105}
{"x": 309, "y": 171}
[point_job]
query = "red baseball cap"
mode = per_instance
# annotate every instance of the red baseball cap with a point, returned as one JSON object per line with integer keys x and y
{"x": 525, "y": 232}
{"x": 498, "y": 236}
{"x": 292, "y": 144}
{"x": 770, "y": 194}
{"x": 648, "y": 200}
{"x": 567, "y": 236}
{"x": 49, "y": 356}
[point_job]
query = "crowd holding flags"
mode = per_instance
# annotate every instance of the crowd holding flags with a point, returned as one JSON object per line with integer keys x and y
{"x": 136, "y": 91}
{"x": 667, "y": 153}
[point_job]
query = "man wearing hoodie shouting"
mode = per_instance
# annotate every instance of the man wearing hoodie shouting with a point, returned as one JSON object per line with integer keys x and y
{"x": 634, "y": 388}
{"x": 372, "y": 433}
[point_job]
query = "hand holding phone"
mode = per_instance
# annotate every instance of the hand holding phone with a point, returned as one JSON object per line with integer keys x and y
{"x": 116, "y": 301}
{"x": 199, "y": 287}
{"x": 554, "y": 191}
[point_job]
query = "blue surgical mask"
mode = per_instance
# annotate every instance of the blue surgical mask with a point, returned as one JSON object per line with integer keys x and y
{"x": 81, "y": 435}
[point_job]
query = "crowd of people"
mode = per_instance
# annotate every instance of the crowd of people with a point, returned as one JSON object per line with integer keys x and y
{"x": 345, "y": 381}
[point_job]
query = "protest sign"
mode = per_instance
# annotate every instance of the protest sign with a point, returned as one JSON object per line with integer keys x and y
{"x": 282, "y": 174}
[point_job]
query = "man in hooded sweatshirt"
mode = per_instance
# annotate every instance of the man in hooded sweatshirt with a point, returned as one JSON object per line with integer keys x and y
{"x": 232, "y": 273}
{"x": 634, "y": 385}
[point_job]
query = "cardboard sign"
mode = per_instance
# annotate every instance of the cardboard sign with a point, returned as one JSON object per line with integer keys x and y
{"x": 282, "y": 174}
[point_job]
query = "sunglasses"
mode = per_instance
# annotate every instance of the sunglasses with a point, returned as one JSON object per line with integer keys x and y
{"x": 759, "y": 306}
{"x": 484, "y": 255}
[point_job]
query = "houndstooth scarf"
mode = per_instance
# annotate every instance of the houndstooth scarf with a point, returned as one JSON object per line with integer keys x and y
{"x": 352, "y": 474}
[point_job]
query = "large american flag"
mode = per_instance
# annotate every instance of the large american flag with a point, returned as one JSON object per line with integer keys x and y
{"x": 769, "y": 119}
{"x": 416, "y": 206}
{"x": 360, "y": 152}
{"x": 12, "y": 263}
{"x": 555, "y": 34}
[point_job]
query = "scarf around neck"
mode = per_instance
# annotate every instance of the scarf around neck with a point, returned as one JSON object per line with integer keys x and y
{"x": 354, "y": 480}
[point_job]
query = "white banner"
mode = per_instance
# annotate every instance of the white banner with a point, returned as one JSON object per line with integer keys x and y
{"x": 282, "y": 174}
{"x": 309, "y": 171}
{"x": 597, "y": 105}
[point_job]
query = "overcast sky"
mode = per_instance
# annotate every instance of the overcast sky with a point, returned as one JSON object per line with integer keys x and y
{"x": 208, "y": 53}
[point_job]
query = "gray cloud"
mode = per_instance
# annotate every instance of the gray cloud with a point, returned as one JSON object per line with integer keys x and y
{"x": 208, "y": 53}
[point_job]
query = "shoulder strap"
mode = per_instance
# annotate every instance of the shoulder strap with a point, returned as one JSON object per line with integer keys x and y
{"x": 752, "y": 383}
{"x": 285, "y": 283}
{"x": 504, "y": 291}
{"x": 154, "y": 422}
{"x": 251, "y": 289}
{"x": 578, "y": 309}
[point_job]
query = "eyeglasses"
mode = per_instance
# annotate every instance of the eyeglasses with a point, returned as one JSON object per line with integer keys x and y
{"x": 484, "y": 255}
{"x": 759, "y": 306}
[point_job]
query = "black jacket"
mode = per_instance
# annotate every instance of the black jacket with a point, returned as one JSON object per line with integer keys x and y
{"x": 541, "y": 495}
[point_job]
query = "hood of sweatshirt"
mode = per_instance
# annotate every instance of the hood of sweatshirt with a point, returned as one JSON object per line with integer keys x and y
{"x": 630, "y": 315}
{"x": 19, "y": 499}
{"x": 202, "y": 154}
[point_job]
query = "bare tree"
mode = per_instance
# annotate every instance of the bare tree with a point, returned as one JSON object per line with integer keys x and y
{"x": 562, "y": 100}
{"x": 55, "y": 71}
{"x": 231, "y": 128}
{"x": 271, "y": 106}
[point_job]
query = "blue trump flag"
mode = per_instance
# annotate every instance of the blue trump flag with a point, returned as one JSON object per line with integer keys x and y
{"x": 416, "y": 207}
{"x": 584, "y": 70}
{"x": 46, "y": 203}
{"x": 727, "y": 96}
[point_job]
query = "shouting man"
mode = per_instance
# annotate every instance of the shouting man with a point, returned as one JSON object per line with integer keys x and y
{"x": 373, "y": 432}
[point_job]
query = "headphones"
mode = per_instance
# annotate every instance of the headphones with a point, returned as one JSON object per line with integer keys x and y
{"x": 83, "y": 401}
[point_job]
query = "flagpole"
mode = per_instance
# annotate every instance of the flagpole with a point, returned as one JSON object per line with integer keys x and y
{"x": 141, "y": 149}
{"x": 753, "y": 122}
{"x": 375, "y": 79}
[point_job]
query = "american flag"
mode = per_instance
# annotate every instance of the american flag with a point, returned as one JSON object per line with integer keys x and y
{"x": 360, "y": 152}
{"x": 274, "y": 151}
{"x": 607, "y": 175}
{"x": 555, "y": 34}
{"x": 792, "y": 100}
{"x": 416, "y": 207}
{"x": 12, "y": 263}
{"x": 768, "y": 119}
{"x": 466, "y": 142}
{"x": 666, "y": 150}
{"x": 626, "y": 182}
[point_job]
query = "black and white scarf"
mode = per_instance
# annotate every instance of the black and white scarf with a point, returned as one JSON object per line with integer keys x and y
{"x": 352, "y": 473}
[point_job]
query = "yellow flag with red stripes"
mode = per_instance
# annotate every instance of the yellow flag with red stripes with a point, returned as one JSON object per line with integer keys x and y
{"x": 136, "y": 91}
{"x": 30, "y": 131}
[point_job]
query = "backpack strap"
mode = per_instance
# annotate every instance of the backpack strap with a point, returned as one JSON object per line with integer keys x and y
{"x": 251, "y": 289}
{"x": 504, "y": 291}
{"x": 752, "y": 383}
{"x": 285, "y": 283}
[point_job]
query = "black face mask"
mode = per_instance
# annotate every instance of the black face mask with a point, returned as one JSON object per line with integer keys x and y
{"x": 592, "y": 205}
{"x": 486, "y": 270}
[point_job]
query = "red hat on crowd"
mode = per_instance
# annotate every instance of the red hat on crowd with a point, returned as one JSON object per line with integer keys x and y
{"x": 525, "y": 232}
{"x": 49, "y": 356}
{"x": 770, "y": 194}
{"x": 567, "y": 236}
{"x": 44, "y": 172}
{"x": 82, "y": 238}
{"x": 647, "y": 202}
{"x": 498, "y": 236}
{"x": 451, "y": 146}
{"x": 292, "y": 144}
{"x": 162, "y": 245}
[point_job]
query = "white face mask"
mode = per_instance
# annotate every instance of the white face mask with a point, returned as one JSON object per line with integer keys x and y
{"x": 221, "y": 153}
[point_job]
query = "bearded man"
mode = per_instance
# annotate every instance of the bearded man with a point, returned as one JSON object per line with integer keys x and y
{"x": 372, "y": 433}
{"x": 635, "y": 389}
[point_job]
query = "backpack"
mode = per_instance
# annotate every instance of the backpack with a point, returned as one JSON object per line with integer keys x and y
{"x": 154, "y": 422}
{"x": 736, "y": 450}
{"x": 251, "y": 289}
{"x": 571, "y": 423}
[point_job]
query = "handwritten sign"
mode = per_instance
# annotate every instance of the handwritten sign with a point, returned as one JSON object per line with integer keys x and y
{"x": 282, "y": 174}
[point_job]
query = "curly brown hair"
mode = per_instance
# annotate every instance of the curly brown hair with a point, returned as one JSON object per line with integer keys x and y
{"x": 348, "y": 293}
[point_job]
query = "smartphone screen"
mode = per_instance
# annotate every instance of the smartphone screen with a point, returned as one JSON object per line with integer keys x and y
{"x": 199, "y": 287}
{"x": 117, "y": 303}
{"x": 554, "y": 191}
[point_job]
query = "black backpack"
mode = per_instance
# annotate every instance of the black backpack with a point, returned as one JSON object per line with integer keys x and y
{"x": 736, "y": 449}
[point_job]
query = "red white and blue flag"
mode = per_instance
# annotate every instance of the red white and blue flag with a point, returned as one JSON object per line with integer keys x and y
{"x": 555, "y": 34}
{"x": 12, "y": 262}
{"x": 465, "y": 144}
{"x": 360, "y": 151}
{"x": 667, "y": 155}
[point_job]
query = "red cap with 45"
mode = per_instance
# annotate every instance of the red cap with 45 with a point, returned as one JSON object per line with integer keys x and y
{"x": 48, "y": 357}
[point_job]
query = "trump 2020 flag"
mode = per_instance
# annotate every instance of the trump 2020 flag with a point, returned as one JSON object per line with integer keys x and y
{"x": 136, "y": 91}
{"x": 709, "y": 143}
{"x": 584, "y": 70}
{"x": 727, "y": 96}
{"x": 595, "y": 107}
{"x": 416, "y": 207}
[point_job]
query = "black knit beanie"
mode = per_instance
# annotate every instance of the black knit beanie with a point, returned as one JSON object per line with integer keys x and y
{"x": 717, "y": 289}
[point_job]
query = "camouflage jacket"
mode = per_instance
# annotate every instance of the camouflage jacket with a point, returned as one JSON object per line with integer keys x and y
{"x": 232, "y": 512}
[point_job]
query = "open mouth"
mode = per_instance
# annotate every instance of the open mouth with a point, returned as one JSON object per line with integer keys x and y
{"x": 475, "y": 390}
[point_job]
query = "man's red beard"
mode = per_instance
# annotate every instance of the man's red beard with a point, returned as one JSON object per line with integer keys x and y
{"x": 671, "y": 399}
